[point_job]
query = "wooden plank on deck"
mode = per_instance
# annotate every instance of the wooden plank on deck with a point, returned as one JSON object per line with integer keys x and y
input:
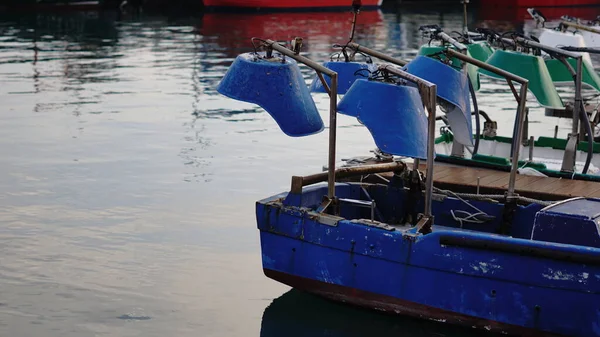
{"x": 557, "y": 187}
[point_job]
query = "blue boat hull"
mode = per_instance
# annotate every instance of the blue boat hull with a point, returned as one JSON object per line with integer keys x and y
{"x": 494, "y": 282}
{"x": 395, "y": 306}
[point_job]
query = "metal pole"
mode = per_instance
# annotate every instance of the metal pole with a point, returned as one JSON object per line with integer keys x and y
{"x": 581, "y": 27}
{"x": 314, "y": 65}
{"x": 416, "y": 163}
{"x": 422, "y": 84}
{"x": 450, "y": 52}
{"x": 447, "y": 38}
{"x": 377, "y": 54}
{"x": 531, "y": 145}
{"x": 332, "y": 137}
{"x": 353, "y": 27}
{"x": 465, "y": 27}
{"x": 578, "y": 98}
{"x": 576, "y": 73}
{"x": 517, "y": 140}
{"x": 431, "y": 100}
{"x": 546, "y": 48}
{"x": 486, "y": 66}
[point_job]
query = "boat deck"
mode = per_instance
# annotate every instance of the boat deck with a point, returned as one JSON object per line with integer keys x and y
{"x": 496, "y": 182}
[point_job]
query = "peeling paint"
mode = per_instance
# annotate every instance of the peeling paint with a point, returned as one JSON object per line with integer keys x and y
{"x": 325, "y": 277}
{"x": 584, "y": 277}
{"x": 485, "y": 267}
{"x": 558, "y": 275}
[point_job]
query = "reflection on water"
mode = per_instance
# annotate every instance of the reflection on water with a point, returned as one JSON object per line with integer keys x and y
{"x": 298, "y": 314}
{"x": 128, "y": 185}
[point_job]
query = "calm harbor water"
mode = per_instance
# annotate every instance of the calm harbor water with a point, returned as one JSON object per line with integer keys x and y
{"x": 127, "y": 184}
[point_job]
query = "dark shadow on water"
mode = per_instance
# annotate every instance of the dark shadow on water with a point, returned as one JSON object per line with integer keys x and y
{"x": 297, "y": 313}
{"x": 90, "y": 28}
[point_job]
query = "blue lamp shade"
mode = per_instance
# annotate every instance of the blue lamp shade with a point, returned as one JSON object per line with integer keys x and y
{"x": 348, "y": 72}
{"x": 278, "y": 87}
{"x": 453, "y": 89}
{"x": 394, "y": 115}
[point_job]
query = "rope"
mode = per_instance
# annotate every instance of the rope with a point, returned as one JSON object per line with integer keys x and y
{"x": 493, "y": 197}
{"x": 471, "y": 218}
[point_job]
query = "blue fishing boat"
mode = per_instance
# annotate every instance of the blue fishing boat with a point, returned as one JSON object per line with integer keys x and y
{"x": 385, "y": 237}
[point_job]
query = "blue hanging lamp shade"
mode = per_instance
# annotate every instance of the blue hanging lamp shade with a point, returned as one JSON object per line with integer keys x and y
{"x": 452, "y": 89}
{"x": 278, "y": 87}
{"x": 348, "y": 72}
{"x": 394, "y": 115}
{"x": 530, "y": 67}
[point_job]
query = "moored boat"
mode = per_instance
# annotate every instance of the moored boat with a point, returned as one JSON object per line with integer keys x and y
{"x": 386, "y": 238}
{"x": 392, "y": 238}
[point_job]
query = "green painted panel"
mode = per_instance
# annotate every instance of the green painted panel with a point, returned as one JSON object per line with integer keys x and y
{"x": 531, "y": 67}
{"x": 480, "y": 50}
{"x": 491, "y": 159}
{"x": 560, "y": 73}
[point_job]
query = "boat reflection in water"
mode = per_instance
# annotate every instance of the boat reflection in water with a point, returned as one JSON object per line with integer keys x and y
{"x": 233, "y": 31}
{"x": 296, "y": 313}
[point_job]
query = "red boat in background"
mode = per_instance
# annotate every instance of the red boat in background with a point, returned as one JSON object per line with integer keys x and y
{"x": 232, "y": 31}
{"x": 286, "y": 4}
{"x": 539, "y": 3}
{"x": 516, "y": 10}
